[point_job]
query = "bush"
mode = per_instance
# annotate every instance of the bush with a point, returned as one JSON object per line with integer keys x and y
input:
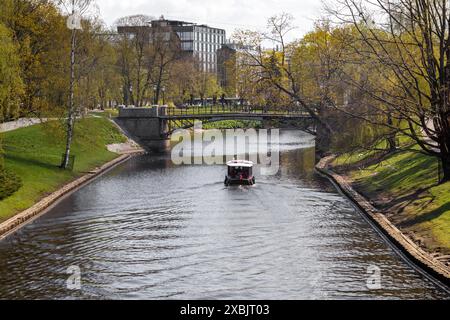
{"x": 9, "y": 183}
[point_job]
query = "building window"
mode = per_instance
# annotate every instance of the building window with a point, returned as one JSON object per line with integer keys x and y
{"x": 186, "y": 46}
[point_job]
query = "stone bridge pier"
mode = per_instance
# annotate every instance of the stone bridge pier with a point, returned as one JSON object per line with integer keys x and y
{"x": 146, "y": 126}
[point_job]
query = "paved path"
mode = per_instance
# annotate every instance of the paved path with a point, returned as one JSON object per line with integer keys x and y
{"x": 21, "y": 123}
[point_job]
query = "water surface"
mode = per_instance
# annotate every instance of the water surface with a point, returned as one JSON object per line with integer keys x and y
{"x": 152, "y": 230}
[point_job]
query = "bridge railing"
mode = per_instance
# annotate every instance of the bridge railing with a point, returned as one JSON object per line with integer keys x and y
{"x": 233, "y": 109}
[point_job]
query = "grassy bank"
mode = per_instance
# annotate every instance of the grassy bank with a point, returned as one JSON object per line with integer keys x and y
{"x": 233, "y": 124}
{"x": 405, "y": 186}
{"x": 34, "y": 154}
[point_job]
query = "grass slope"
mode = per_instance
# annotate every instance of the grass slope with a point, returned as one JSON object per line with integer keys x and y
{"x": 232, "y": 124}
{"x": 405, "y": 185}
{"x": 34, "y": 154}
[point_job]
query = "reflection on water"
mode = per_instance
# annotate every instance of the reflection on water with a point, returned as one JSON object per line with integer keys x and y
{"x": 152, "y": 230}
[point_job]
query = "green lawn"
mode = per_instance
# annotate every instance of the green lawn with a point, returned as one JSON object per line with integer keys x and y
{"x": 34, "y": 154}
{"x": 406, "y": 184}
{"x": 233, "y": 124}
{"x": 107, "y": 113}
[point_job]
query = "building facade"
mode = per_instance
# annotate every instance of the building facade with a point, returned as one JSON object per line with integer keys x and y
{"x": 201, "y": 41}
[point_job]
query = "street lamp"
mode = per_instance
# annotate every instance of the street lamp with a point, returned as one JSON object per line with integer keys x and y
{"x": 155, "y": 102}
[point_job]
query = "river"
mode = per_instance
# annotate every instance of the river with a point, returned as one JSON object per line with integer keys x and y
{"x": 149, "y": 229}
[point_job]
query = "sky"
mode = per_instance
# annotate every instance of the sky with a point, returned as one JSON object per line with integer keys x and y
{"x": 226, "y": 14}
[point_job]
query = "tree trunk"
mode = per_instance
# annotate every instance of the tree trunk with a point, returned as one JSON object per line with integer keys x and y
{"x": 445, "y": 161}
{"x": 157, "y": 93}
{"x": 392, "y": 144}
{"x": 71, "y": 115}
{"x": 323, "y": 140}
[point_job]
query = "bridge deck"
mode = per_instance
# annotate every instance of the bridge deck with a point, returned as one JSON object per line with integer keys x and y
{"x": 154, "y": 124}
{"x": 237, "y": 115}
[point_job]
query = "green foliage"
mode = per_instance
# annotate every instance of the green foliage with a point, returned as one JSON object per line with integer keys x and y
{"x": 11, "y": 85}
{"x": 9, "y": 183}
{"x": 43, "y": 40}
{"x": 233, "y": 124}
{"x": 39, "y": 60}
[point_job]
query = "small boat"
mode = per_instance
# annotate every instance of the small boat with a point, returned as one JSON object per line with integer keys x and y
{"x": 240, "y": 172}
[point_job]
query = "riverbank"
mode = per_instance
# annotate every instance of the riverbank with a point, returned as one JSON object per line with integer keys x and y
{"x": 399, "y": 192}
{"x": 34, "y": 153}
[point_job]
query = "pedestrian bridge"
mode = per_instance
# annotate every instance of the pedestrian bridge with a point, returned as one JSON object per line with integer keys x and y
{"x": 152, "y": 127}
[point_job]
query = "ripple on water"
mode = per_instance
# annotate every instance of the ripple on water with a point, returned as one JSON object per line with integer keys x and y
{"x": 151, "y": 230}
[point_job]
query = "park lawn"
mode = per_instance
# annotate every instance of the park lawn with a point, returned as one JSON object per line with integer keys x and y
{"x": 405, "y": 185}
{"x": 107, "y": 113}
{"x": 232, "y": 124}
{"x": 34, "y": 154}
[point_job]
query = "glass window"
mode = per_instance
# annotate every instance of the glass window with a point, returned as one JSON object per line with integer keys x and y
{"x": 186, "y": 46}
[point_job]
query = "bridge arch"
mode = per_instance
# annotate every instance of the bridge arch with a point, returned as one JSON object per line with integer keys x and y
{"x": 154, "y": 126}
{"x": 301, "y": 123}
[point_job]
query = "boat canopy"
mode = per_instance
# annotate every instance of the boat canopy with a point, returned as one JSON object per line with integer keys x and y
{"x": 240, "y": 163}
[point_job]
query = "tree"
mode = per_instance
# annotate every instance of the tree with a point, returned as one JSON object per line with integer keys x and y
{"x": 78, "y": 8}
{"x": 181, "y": 81}
{"x": 147, "y": 54}
{"x": 279, "y": 68}
{"x": 11, "y": 85}
{"x": 98, "y": 80}
{"x": 408, "y": 48}
{"x": 134, "y": 49}
{"x": 40, "y": 33}
{"x": 165, "y": 51}
{"x": 206, "y": 85}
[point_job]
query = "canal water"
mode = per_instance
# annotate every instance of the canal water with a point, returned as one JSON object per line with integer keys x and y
{"x": 152, "y": 230}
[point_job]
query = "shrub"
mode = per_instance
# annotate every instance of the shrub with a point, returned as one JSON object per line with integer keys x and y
{"x": 9, "y": 183}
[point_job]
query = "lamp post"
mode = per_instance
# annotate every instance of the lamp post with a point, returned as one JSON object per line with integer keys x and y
{"x": 155, "y": 102}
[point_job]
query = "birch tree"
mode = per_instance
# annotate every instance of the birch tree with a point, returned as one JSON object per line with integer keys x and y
{"x": 75, "y": 9}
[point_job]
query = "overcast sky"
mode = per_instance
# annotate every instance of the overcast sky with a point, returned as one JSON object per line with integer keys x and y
{"x": 226, "y": 14}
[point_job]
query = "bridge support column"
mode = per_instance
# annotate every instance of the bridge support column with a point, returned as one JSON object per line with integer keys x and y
{"x": 146, "y": 127}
